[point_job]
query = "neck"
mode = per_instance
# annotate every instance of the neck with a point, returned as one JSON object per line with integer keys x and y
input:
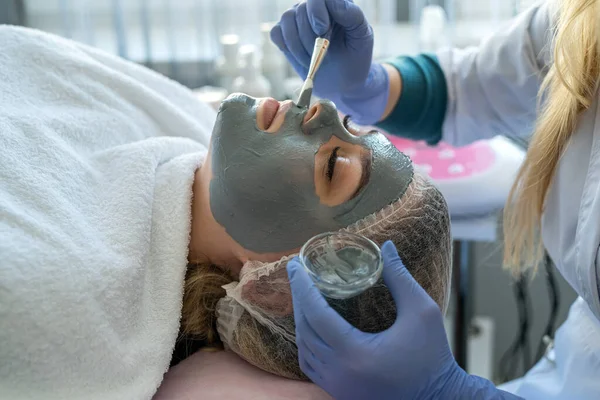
{"x": 206, "y": 244}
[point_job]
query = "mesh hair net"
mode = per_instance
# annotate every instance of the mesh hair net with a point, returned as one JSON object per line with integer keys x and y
{"x": 255, "y": 318}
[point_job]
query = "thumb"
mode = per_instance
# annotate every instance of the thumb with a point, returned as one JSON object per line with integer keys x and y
{"x": 404, "y": 288}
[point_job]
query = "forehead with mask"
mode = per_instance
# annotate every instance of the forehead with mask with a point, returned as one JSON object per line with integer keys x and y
{"x": 273, "y": 189}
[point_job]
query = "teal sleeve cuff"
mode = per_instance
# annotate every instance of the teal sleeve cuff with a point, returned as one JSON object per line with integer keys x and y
{"x": 421, "y": 109}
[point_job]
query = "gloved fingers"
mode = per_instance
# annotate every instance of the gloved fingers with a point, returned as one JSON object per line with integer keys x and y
{"x": 348, "y": 15}
{"x": 318, "y": 16}
{"x": 314, "y": 359}
{"x": 307, "y": 36}
{"x": 291, "y": 38}
{"x": 403, "y": 287}
{"x": 311, "y": 339}
{"x": 309, "y": 371}
{"x": 277, "y": 38}
{"x": 310, "y": 303}
{"x": 313, "y": 363}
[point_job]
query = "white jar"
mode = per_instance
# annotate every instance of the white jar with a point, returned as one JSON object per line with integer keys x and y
{"x": 273, "y": 63}
{"x": 250, "y": 80}
{"x": 432, "y": 30}
{"x": 213, "y": 96}
{"x": 226, "y": 66}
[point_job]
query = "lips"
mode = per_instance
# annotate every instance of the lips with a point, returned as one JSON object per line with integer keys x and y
{"x": 269, "y": 111}
{"x": 271, "y": 114}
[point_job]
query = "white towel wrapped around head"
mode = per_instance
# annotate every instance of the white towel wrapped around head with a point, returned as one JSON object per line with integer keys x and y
{"x": 97, "y": 160}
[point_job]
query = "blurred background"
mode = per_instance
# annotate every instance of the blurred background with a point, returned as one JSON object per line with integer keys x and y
{"x": 181, "y": 38}
{"x": 208, "y": 43}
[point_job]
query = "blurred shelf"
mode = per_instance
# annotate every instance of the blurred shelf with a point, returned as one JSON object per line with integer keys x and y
{"x": 183, "y": 43}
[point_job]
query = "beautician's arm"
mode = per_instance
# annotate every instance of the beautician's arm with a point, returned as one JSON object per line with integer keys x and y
{"x": 395, "y": 89}
{"x": 457, "y": 95}
{"x": 417, "y": 98}
{"x": 465, "y": 95}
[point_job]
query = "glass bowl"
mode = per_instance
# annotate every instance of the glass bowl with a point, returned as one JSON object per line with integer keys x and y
{"x": 342, "y": 264}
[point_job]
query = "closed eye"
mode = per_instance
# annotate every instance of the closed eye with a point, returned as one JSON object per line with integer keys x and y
{"x": 331, "y": 163}
{"x": 347, "y": 123}
{"x": 366, "y": 163}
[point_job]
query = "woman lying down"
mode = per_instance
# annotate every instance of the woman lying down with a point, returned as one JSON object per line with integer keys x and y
{"x": 127, "y": 230}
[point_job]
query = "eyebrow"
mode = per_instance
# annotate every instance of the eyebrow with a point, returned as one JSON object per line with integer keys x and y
{"x": 366, "y": 161}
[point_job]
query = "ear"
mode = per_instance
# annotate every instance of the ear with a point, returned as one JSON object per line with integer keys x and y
{"x": 271, "y": 293}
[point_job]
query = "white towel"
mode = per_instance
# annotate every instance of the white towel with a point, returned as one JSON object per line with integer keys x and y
{"x": 97, "y": 160}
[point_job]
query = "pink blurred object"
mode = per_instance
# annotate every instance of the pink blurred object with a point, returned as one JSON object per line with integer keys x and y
{"x": 474, "y": 179}
{"x": 223, "y": 375}
{"x": 444, "y": 162}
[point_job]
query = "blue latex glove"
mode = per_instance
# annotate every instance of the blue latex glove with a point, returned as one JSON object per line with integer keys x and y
{"x": 347, "y": 76}
{"x": 411, "y": 360}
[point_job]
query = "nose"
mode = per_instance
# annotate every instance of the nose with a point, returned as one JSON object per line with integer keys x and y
{"x": 323, "y": 110}
{"x": 322, "y": 119}
{"x": 312, "y": 113}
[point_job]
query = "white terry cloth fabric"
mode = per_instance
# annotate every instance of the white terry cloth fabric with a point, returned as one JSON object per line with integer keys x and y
{"x": 97, "y": 160}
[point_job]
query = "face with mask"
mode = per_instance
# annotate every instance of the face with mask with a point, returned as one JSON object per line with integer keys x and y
{"x": 281, "y": 174}
{"x": 275, "y": 176}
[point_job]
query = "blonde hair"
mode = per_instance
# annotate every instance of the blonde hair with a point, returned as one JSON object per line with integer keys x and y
{"x": 568, "y": 89}
{"x": 202, "y": 291}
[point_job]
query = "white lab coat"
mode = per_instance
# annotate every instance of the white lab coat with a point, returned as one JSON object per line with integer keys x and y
{"x": 492, "y": 90}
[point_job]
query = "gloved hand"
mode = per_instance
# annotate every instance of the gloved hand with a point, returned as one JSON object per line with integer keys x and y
{"x": 347, "y": 76}
{"x": 411, "y": 360}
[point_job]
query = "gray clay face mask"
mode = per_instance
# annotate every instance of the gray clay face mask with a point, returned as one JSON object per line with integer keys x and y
{"x": 263, "y": 187}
